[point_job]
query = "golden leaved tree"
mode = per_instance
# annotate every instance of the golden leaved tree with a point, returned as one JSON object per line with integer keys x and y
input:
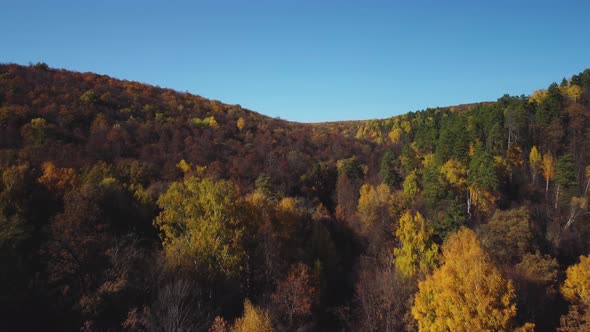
{"x": 535, "y": 162}
{"x": 467, "y": 293}
{"x": 375, "y": 204}
{"x": 538, "y": 96}
{"x": 548, "y": 167}
{"x": 418, "y": 254}
{"x": 201, "y": 225}
{"x": 254, "y": 320}
{"x": 456, "y": 173}
{"x": 576, "y": 289}
{"x": 410, "y": 185}
{"x": 241, "y": 123}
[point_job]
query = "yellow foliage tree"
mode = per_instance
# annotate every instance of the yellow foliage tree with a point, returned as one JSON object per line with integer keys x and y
{"x": 241, "y": 123}
{"x": 406, "y": 126}
{"x": 571, "y": 92}
{"x": 456, "y": 173}
{"x": 289, "y": 215}
{"x": 513, "y": 158}
{"x": 254, "y": 320}
{"x": 548, "y": 167}
{"x": 576, "y": 287}
{"x": 184, "y": 166}
{"x": 538, "y": 96}
{"x": 467, "y": 293}
{"x": 535, "y": 162}
{"x": 410, "y": 185}
{"x": 417, "y": 254}
{"x": 395, "y": 134}
{"x": 428, "y": 160}
{"x": 201, "y": 225}
{"x": 213, "y": 123}
{"x": 374, "y": 204}
{"x": 527, "y": 327}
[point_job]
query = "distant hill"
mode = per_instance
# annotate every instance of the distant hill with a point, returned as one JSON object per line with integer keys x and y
{"x": 89, "y": 117}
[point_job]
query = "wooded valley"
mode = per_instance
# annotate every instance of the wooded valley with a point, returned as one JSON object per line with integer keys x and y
{"x": 130, "y": 207}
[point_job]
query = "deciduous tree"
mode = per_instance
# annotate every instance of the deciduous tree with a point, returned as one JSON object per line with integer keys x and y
{"x": 375, "y": 204}
{"x": 201, "y": 226}
{"x": 254, "y": 320}
{"x": 535, "y": 162}
{"x": 294, "y": 295}
{"x": 411, "y": 185}
{"x": 576, "y": 289}
{"x": 417, "y": 254}
{"x": 467, "y": 293}
{"x": 507, "y": 236}
{"x": 58, "y": 179}
{"x": 383, "y": 298}
{"x": 548, "y": 168}
{"x": 241, "y": 123}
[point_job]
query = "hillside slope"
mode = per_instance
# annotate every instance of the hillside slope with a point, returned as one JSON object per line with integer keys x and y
{"x": 88, "y": 117}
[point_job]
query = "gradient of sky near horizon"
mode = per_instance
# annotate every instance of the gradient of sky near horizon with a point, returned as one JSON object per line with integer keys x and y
{"x": 310, "y": 61}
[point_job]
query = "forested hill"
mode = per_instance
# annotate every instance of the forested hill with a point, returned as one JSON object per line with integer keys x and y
{"x": 125, "y": 206}
{"x": 75, "y": 119}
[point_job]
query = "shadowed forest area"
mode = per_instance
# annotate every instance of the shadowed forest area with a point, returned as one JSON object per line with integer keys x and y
{"x": 129, "y": 207}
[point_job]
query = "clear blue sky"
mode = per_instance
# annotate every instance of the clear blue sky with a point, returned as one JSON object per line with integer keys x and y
{"x": 310, "y": 60}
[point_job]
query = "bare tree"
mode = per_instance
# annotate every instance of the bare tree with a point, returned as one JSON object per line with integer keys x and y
{"x": 383, "y": 299}
{"x": 179, "y": 308}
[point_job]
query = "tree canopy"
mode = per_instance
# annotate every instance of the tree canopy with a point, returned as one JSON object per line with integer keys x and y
{"x": 201, "y": 225}
{"x": 466, "y": 293}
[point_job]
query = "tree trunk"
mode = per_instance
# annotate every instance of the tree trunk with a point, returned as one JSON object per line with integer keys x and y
{"x": 556, "y": 197}
{"x": 468, "y": 204}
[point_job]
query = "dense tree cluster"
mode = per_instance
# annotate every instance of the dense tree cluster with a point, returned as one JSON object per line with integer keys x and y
{"x": 125, "y": 206}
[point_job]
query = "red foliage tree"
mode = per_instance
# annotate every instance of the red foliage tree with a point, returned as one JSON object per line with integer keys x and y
{"x": 294, "y": 295}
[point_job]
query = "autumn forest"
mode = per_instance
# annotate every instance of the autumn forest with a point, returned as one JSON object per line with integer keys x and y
{"x": 129, "y": 207}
